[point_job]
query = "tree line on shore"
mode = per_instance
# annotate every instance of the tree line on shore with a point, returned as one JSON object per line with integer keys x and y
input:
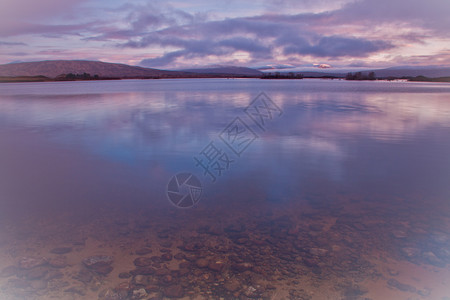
{"x": 276, "y": 75}
{"x": 361, "y": 76}
{"x": 72, "y": 76}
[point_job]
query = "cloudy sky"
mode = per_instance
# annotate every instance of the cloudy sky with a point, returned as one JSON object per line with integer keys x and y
{"x": 176, "y": 34}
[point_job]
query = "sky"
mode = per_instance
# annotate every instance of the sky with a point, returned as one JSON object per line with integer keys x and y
{"x": 264, "y": 34}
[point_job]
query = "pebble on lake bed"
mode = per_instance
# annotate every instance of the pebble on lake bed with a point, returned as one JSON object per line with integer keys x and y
{"x": 100, "y": 264}
{"x": 61, "y": 250}
{"x": 31, "y": 262}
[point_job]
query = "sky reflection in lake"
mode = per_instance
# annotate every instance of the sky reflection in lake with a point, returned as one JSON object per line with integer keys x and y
{"x": 357, "y": 134}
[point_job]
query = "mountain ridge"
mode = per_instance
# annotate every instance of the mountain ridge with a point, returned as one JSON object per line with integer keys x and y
{"x": 54, "y": 68}
{"x": 104, "y": 70}
{"x": 60, "y": 69}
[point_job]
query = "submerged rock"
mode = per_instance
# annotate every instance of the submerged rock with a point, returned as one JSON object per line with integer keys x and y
{"x": 425, "y": 292}
{"x": 31, "y": 262}
{"x": 78, "y": 290}
{"x": 110, "y": 294}
{"x": 179, "y": 256}
{"x": 167, "y": 257}
{"x": 61, "y": 250}
{"x": 202, "y": 262}
{"x": 85, "y": 276}
{"x": 409, "y": 252}
{"x": 9, "y": 271}
{"x": 100, "y": 264}
{"x": 318, "y": 251}
{"x": 39, "y": 284}
{"x": 143, "y": 271}
{"x": 251, "y": 292}
{"x": 124, "y": 275}
{"x": 143, "y": 261}
{"x": 174, "y": 291}
{"x": 401, "y": 286}
{"x": 36, "y": 273}
{"x": 432, "y": 259}
{"x": 216, "y": 265}
{"x": 140, "y": 280}
{"x": 123, "y": 288}
{"x": 140, "y": 294}
{"x": 354, "y": 291}
{"x": 439, "y": 237}
{"x": 18, "y": 283}
{"x": 58, "y": 262}
{"x": 166, "y": 244}
{"x": 232, "y": 285}
{"x": 399, "y": 234}
{"x": 242, "y": 267}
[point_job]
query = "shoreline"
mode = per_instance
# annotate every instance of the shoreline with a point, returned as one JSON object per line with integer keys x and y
{"x": 25, "y": 79}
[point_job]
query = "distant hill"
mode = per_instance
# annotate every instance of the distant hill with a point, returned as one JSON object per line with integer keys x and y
{"x": 412, "y": 72}
{"x": 54, "y": 68}
{"x": 76, "y": 69}
{"x": 226, "y": 70}
{"x": 398, "y": 72}
{"x": 426, "y": 79}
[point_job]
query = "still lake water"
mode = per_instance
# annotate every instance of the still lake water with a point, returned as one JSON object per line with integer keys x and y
{"x": 343, "y": 195}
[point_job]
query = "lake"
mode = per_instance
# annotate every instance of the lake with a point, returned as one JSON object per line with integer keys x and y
{"x": 232, "y": 188}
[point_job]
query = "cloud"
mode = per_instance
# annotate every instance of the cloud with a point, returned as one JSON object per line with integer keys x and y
{"x": 245, "y": 44}
{"x": 149, "y": 16}
{"x": 273, "y": 67}
{"x": 337, "y": 46}
{"x": 258, "y": 42}
{"x": 24, "y": 10}
{"x": 441, "y": 58}
{"x": 200, "y": 48}
{"x": 322, "y": 66}
{"x": 162, "y": 60}
{"x": 25, "y": 17}
{"x": 15, "y": 54}
{"x": 269, "y": 32}
{"x": 44, "y": 30}
{"x": 431, "y": 14}
{"x": 43, "y": 17}
{"x": 259, "y": 36}
{"x": 11, "y": 44}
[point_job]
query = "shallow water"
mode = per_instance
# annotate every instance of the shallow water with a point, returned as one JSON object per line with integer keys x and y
{"x": 341, "y": 194}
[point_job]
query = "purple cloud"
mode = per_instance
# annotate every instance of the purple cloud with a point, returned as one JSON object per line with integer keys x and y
{"x": 162, "y": 60}
{"x": 431, "y": 14}
{"x": 165, "y": 32}
{"x": 256, "y": 36}
{"x": 200, "y": 48}
{"x": 11, "y": 44}
{"x": 336, "y": 46}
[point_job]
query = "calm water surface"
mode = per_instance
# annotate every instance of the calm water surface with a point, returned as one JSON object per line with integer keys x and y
{"x": 358, "y": 170}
